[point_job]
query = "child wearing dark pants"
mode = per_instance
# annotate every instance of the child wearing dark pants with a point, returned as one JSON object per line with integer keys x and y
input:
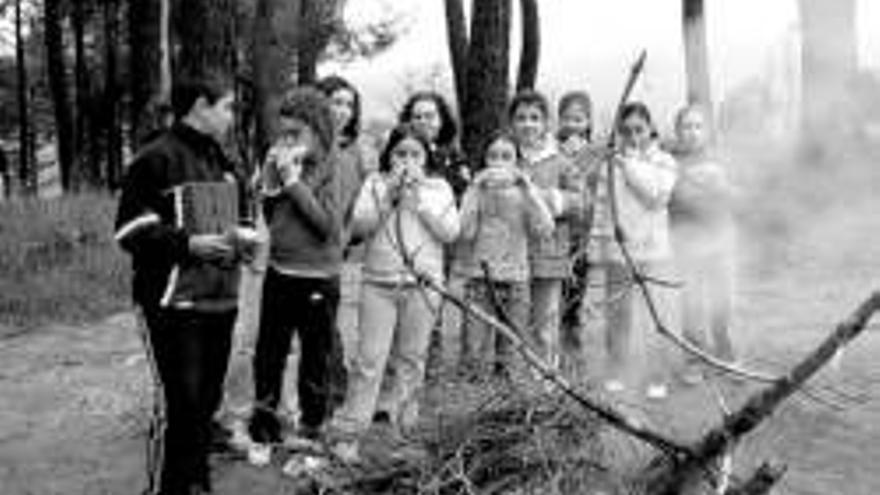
{"x": 191, "y": 352}
{"x": 315, "y": 301}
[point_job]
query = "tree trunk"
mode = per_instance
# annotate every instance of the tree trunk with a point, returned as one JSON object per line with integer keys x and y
{"x": 86, "y": 170}
{"x": 696, "y": 54}
{"x": 487, "y": 73}
{"x": 58, "y": 87}
{"x": 828, "y": 62}
{"x": 317, "y": 24}
{"x": 205, "y": 37}
{"x": 269, "y": 71}
{"x": 144, "y": 26}
{"x": 531, "y": 45}
{"x": 165, "y": 79}
{"x": 25, "y": 173}
{"x": 113, "y": 134}
{"x": 457, "y": 36}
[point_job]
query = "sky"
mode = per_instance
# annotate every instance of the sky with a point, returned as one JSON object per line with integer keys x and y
{"x": 590, "y": 44}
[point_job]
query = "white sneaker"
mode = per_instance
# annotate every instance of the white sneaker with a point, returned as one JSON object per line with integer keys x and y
{"x": 657, "y": 391}
{"x": 347, "y": 452}
{"x": 614, "y": 386}
{"x": 259, "y": 454}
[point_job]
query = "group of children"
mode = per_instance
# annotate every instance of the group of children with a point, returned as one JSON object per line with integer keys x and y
{"x": 512, "y": 223}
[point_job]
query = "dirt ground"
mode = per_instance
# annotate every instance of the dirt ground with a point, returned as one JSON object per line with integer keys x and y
{"x": 75, "y": 401}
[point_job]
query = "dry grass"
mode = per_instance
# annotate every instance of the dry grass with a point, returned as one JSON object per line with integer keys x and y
{"x": 58, "y": 261}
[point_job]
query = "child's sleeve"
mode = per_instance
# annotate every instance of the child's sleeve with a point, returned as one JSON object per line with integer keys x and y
{"x": 369, "y": 206}
{"x": 652, "y": 182}
{"x": 566, "y": 199}
{"x": 539, "y": 217}
{"x": 436, "y": 208}
{"x": 139, "y": 228}
{"x": 470, "y": 213}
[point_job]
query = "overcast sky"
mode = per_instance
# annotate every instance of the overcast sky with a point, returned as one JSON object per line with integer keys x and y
{"x": 591, "y": 43}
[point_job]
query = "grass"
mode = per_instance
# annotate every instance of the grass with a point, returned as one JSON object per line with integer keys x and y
{"x": 58, "y": 261}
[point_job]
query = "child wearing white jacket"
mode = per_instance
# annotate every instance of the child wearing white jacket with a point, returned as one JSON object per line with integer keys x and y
{"x": 405, "y": 217}
{"x": 644, "y": 178}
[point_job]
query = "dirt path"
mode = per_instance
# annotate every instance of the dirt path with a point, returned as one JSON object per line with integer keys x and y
{"x": 75, "y": 400}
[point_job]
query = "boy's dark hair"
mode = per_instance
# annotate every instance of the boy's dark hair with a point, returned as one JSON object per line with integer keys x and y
{"x": 187, "y": 89}
{"x": 310, "y": 105}
{"x": 581, "y": 98}
{"x": 448, "y": 126}
{"x": 499, "y": 134}
{"x": 529, "y": 97}
{"x": 398, "y": 134}
{"x": 640, "y": 110}
{"x": 334, "y": 83}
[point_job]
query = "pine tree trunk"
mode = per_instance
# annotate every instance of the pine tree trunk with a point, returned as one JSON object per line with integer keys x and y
{"x": 59, "y": 89}
{"x": 531, "y": 45}
{"x": 144, "y": 26}
{"x": 487, "y": 72}
{"x": 696, "y": 53}
{"x": 113, "y": 133}
{"x": 24, "y": 163}
{"x": 85, "y": 168}
{"x": 205, "y": 47}
{"x": 269, "y": 66}
{"x": 457, "y": 39}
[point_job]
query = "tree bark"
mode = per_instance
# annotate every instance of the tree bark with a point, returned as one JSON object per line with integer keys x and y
{"x": 696, "y": 54}
{"x": 206, "y": 47}
{"x": 144, "y": 30}
{"x": 24, "y": 143}
{"x": 58, "y": 87}
{"x": 457, "y": 40}
{"x": 488, "y": 75}
{"x": 269, "y": 72}
{"x": 531, "y": 45}
{"x": 85, "y": 167}
{"x": 317, "y": 24}
{"x": 113, "y": 133}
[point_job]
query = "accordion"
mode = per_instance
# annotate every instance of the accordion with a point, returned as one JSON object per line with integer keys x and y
{"x": 203, "y": 208}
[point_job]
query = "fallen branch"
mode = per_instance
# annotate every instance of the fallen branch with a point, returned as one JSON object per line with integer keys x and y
{"x": 759, "y": 407}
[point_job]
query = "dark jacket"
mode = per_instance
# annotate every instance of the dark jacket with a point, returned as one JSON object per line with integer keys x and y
{"x": 150, "y": 228}
{"x": 452, "y": 164}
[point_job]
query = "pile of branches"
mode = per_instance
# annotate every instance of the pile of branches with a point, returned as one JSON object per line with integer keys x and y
{"x": 516, "y": 442}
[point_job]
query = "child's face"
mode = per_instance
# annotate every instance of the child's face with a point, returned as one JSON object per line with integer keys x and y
{"x": 342, "y": 107}
{"x": 575, "y": 118}
{"x": 529, "y": 125}
{"x": 408, "y": 154}
{"x": 426, "y": 118}
{"x": 691, "y": 131}
{"x": 635, "y": 132}
{"x": 501, "y": 154}
{"x": 295, "y": 132}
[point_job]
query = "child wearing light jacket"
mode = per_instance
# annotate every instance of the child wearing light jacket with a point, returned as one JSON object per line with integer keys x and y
{"x": 704, "y": 239}
{"x": 500, "y": 210}
{"x": 644, "y": 178}
{"x": 405, "y": 217}
{"x": 560, "y": 185}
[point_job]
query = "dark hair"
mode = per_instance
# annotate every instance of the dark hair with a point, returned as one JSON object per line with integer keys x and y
{"x": 448, "y": 126}
{"x": 188, "y": 89}
{"x": 581, "y": 98}
{"x": 310, "y": 105}
{"x": 504, "y": 134}
{"x": 640, "y": 110}
{"x": 334, "y": 83}
{"x": 528, "y": 97}
{"x": 398, "y": 134}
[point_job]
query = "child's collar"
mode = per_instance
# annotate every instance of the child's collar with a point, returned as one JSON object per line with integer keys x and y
{"x": 547, "y": 149}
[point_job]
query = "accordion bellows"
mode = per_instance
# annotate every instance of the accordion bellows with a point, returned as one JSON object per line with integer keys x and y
{"x": 204, "y": 208}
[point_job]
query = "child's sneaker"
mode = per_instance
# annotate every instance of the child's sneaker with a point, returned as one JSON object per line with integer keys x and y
{"x": 657, "y": 391}
{"x": 614, "y": 386}
{"x": 347, "y": 451}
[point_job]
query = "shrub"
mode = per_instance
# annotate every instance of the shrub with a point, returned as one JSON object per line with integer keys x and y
{"x": 58, "y": 261}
